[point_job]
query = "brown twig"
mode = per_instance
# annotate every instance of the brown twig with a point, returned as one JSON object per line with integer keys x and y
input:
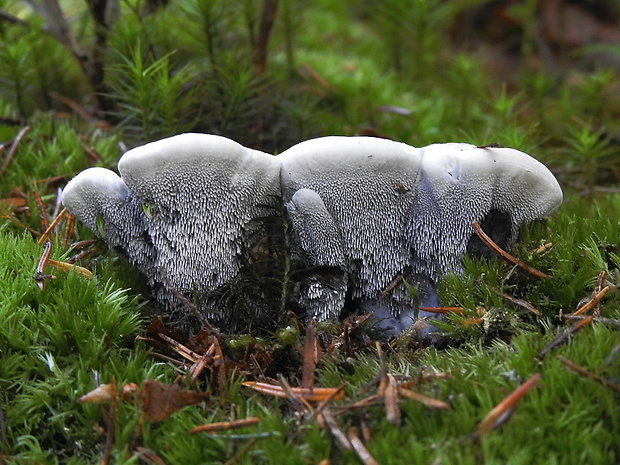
{"x": 267, "y": 18}
{"x": 391, "y": 285}
{"x": 337, "y": 394}
{"x": 301, "y": 405}
{"x": 189, "y": 304}
{"x": 505, "y": 255}
{"x": 596, "y": 319}
{"x": 335, "y": 429}
{"x": 180, "y": 349}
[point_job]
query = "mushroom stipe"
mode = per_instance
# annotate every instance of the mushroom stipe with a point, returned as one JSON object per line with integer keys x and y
{"x": 362, "y": 241}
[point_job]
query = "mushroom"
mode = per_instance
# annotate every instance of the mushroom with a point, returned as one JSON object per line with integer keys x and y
{"x": 317, "y": 240}
{"x": 100, "y": 199}
{"x": 198, "y": 196}
{"x": 500, "y": 188}
{"x": 405, "y": 214}
{"x": 368, "y": 216}
{"x": 358, "y": 179}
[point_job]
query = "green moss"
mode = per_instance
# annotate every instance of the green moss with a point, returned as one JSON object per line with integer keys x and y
{"x": 334, "y": 67}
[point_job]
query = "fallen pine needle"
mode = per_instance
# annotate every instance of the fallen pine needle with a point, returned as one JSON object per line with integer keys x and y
{"x": 360, "y": 448}
{"x": 490, "y": 421}
{"x": 336, "y": 431}
{"x": 64, "y": 266}
{"x": 505, "y": 255}
{"x": 319, "y": 408}
{"x": 519, "y": 302}
{"x": 456, "y": 310}
{"x": 425, "y": 400}
{"x": 20, "y": 224}
{"x": 390, "y": 400}
{"x": 52, "y": 225}
{"x": 592, "y": 302}
{"x": 224, "y": 425}
{"x": 313, "y": 395}
{"x": 596, "y": 319}
{"x": 564, "y": 335}
{"x": 40, "y": 275}
{"x": 588, "y": 374}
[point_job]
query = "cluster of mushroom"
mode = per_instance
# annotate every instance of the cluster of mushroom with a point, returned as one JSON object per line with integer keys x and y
{"x": 363, "y": 212}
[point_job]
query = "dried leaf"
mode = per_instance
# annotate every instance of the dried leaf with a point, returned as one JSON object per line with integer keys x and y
{"x": 158, "y": 401}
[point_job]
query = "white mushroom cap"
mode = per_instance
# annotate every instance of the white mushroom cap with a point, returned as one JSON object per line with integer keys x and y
{"x": 462, "y": 183}
{"x": 203, "y": 193}
{"x": 100, "y": 199}
{"x": 366, "y": 185}
{"x": 93, "y": 191}
{"x": 510, "y": 180}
